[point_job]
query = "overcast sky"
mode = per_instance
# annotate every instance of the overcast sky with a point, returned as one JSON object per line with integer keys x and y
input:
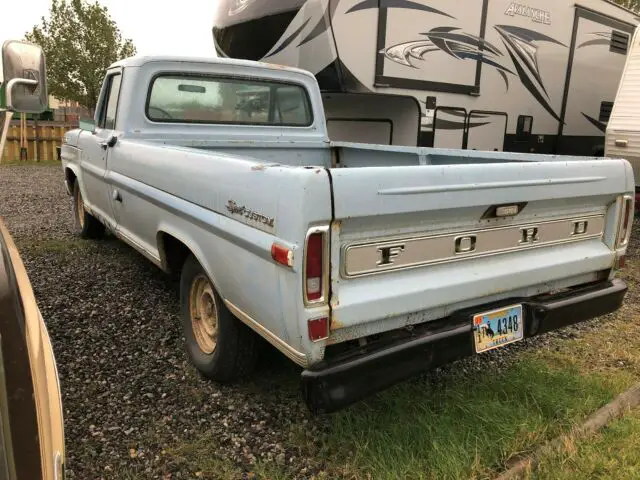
{"x": 172, "y": 27}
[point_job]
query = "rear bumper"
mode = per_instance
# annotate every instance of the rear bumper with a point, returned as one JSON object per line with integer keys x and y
{"x": 341, "y": 381}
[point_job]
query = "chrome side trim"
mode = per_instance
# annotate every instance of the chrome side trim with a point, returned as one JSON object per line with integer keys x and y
{"x": 624, "y": 229}
{"x": 139, "y": 248}
{"x": 214, "y": 222}
{"x": 290, "y": 352}
{"x": 365, "y": 259}
{"x": 487, "y": 186}
{"x": 324, "y": 230}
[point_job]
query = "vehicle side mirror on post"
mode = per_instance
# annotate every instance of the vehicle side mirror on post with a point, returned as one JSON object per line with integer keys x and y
{"x": 87, "y": 125}
{"x": 23, "y": 78}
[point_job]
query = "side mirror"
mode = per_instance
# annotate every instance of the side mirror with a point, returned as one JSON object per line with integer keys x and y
{"x": 23, "y": 77}
{"x": 88, "y": 125}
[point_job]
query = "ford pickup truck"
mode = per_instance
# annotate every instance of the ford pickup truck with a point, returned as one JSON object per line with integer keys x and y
{"x": 363, "y": 264}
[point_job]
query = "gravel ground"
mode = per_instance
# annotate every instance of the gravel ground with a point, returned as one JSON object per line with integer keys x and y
{"x": 129, "y": 393}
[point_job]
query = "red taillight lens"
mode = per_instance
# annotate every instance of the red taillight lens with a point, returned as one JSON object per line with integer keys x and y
{"x": 318, "y": 329}
{"x": 314, "y": 267}
{"x": 282, "y": 255}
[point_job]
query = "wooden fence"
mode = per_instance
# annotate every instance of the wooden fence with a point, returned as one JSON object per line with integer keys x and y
{"x": 36, "y": 142}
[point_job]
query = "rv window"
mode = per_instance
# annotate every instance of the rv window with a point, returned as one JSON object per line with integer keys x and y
{"x": 185, "y": 98}
{"x": 619, "y": 42}
{"x": 605, "y": 111}
{"x": 525, "y": 126}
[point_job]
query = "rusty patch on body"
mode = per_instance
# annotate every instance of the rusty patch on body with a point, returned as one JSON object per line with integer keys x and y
{"x": 335, "y": 323}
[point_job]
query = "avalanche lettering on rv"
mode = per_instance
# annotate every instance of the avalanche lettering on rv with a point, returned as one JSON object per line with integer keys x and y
{"x": 536, "y": 14}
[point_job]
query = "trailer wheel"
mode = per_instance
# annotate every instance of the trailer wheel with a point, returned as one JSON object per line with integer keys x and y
{"x": 86, "y": 225}
{"x": 220, "y": 346}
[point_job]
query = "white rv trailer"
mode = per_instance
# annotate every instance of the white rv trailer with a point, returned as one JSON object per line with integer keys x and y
{"x": 477, "y": 74}
{"x": 623, "y": 131}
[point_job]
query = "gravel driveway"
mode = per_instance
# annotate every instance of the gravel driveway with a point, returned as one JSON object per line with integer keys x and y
{"x": 129, "y": 393}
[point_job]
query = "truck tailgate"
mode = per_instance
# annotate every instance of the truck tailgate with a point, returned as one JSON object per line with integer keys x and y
{"x": 412, "y": 244}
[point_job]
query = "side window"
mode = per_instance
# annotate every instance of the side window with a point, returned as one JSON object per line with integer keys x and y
{"x": 109, "y": 106}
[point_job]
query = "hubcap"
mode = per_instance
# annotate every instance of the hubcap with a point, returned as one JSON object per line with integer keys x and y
{"x": 204, "y": 314}
{"x": 80, "y": 209}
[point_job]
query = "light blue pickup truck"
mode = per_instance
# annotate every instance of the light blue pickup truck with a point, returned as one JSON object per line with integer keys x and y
{"x": 364, "y": 264}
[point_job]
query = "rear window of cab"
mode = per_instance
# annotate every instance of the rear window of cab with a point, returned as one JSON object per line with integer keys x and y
{"x": 181, "y": 98}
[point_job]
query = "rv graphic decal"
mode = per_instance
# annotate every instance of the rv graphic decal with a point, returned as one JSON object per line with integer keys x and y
{"x": 520, "y": 44}
{"x": 239, "y": 6}
{"x": 459, "y": 45}
{"x": 290, "y": 39}
{"x": 407, "y": 4}
{"x": 449, "y": 40}
{"x": 323, "y": 20}
{"x": 604, "y": 39}
{"x": 596, "y": 123}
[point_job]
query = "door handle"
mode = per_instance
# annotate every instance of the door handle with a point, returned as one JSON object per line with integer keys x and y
{"x": 109, "y": 143}
{"x": 116, "y": 196}
{"x": 622, "y": 143}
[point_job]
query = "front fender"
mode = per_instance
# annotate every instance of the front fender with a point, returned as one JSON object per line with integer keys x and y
{"x": 70, "y": 165}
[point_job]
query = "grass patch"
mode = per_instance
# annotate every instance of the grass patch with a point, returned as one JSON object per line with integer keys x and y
{"x": 467, "y": 429}
{"x": 613, "y": 454}
{"x": 197, "y": 456}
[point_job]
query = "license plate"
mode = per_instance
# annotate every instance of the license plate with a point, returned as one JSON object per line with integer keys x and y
{"x": 497, "y": 328}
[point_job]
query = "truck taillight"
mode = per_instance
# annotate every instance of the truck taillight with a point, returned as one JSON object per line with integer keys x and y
{"x": 315, "y": 269}
{"x": 626, "y": 222}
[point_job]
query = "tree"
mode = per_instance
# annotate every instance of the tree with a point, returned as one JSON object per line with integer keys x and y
{"x": 630, "y": 4}
{"x": 80, "y": 41}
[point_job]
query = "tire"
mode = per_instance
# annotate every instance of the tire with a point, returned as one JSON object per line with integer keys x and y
{"x": 86, "y": 225}
{"x": 220, "y": 346}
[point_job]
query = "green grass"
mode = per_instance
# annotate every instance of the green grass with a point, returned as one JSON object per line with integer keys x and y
{"x": 199, "y": 460}
{"x": 467, "y": 429}
{"x": 613, "y": 454}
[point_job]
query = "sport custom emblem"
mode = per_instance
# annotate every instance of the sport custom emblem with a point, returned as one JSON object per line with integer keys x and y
{"x": 236, "y": 209}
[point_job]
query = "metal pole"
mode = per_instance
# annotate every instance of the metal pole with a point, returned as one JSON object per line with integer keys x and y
{"x": 37, "y": 139}
{"x": 5, "y": 120}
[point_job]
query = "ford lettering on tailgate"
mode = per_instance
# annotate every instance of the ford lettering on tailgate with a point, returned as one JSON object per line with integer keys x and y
{"x": 381, "y": 256}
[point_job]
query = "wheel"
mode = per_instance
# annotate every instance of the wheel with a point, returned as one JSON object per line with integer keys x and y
{"x": 86, "y": 225}
{"x": 220, "y": 346}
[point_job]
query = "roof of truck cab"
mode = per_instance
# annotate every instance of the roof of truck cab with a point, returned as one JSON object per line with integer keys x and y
{"x": 138, "y": 61}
